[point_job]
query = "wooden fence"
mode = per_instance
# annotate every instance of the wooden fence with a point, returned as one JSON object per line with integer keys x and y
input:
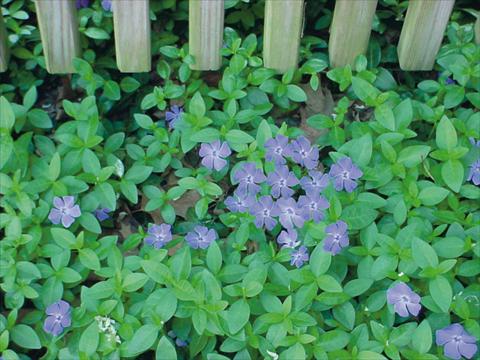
{"x": 420, "y": 39}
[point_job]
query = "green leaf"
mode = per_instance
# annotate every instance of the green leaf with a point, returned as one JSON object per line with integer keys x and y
{"x": 345, "y": 314}
{"x": 165, "y": 350}
{"x": 328, "y": 283}
{"x": 129, "y": 84}
{"x": 359, "y": 216}
{"x": 197, "y": 105}
{"x": 89, "y": 340}
{"x": 89, "y": 259}
{"x": 144, "y": 121}
{"x": 64, "y": 238}
{"x": 236, "y": 137}
{"x": 364, "y": 90}
{"x": 423, "y": 254}
{"x": 422, "y": 337}
{"x": 413, "y": 155}
{"x": 134, "y": 281}
{"x": 25, "y": 337}
{"x": 453, "y": 173}
{"x": 432, "y": 195}
{"x": 238, "y": 315}
{"x": 111, "y": 90}
{"x": 106, "y": 195}
{"x": 7, "y": 117}
{"x": 296, "y": 93}
{"x": 446, "y": 135}
{"x": 214, "y": 258}
{"x": 97, "y": 33}
{"x": 142, "y": 340}
{"x": 39, "y": 118}
{"x": 206, "y": 135}
{"x": 384, "y": 115}
{"x": 441, "y": 293}
{"x": 320, "y": 261}
{"x": 181, "y": 263}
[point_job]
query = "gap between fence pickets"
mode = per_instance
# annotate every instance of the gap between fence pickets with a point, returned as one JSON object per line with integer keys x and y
{"x": 422, "y": 33}
{"x": 131, "y": 22}
{"x": 58, "y": 24}
{"x": 4, "y": 50}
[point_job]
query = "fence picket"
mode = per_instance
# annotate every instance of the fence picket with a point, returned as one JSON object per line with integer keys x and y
{"x": 131, "y": 22}
{"x": 4, "y": 50}
{"x": 206, "y": 18}
{"x": 422, "y": 33}
{"x": 57, "y": 20}
{"x": 282, "y": 32}
{"x": 350, "y": 30}
{"x": 477, "y": 30}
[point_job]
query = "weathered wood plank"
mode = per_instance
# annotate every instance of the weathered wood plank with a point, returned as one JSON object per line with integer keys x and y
{"x": 282, "y": 33}
{"x": 422, "y": 33}
{"x": 131, "y": 22}
{"x": 350, "y": 30}
{"x": 57, "y": 20}
{"x": 477, "y": 30}
{"x": 4, "y": 50}
{"x": 206, "y": 19}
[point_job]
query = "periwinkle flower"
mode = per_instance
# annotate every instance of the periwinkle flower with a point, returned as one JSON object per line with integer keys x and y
{"x": 289, "y": 213}
{"x": 344, "y": 174}
{"x": 65, "y": 211}
{"x": 180, "y": 343}
{"x": 299, "y": 257}
{"x": 248, "y": 176}
{"x": 337, "y": 237}
{"x": 474, "y": 174}
{"x": 102, "y": 214}
{"x": 173, "y": 115}
{"x": 313, "y": 206}
{"x": 404, "y": 300}
{"x": 475, "y": 143}
{"x": 315, "y": 182}
{"x": 240, "y": 201}
{"x": 275, "y": 149}
{"x": 107, "y": 5}
{"x": 303, "y": 153}
{"x": 281, "y": 180}
{"x": 201, "y": 237}
{"x": 456, "y": 342}
{"x": 159, "y": 235}
{"x": 82, "y": 3}
{"x": 288, "y": 239}
{"x": 58, "y": 317}
{"x": 214, "y": 154}
{"x": 263, "y": 210}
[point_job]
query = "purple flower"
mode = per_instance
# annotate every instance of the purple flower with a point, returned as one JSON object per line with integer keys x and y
{"x": 456, "y": 342}
{"x": 344, "y": 174}
{"x": 280, "y": 180}
{"x": 315, "y": 182}
{"x": 102, "y": 214}
{"x": 201, "y": 237}
{"x": 263, "y": 211}
{"x": 172, "y": 116}
{"x": 180, "y": 342}
{"x": 159, "y": 235}
{"x": 303, "y": 153}
{"x": 474, "y": 174}
{"x": 337, "y": 237}
{"x": 289, "y": 213}
{"x": 449, "y": 81}
{"x": 475, "y": 143}
{"x": 107, "y": 5}
{"x": 65, "y": 211}
{"x": 288, "y": 239}
{"x": 82, "y": 3}
{"x": 248, "y": 176}
{"x": 240, "y": 201}
{"x": 312, "y": 206}
{"x": 404, "y": 300}
{"x": 214, "y": 154}
{"x": 58, "y": 318}
{"x": 275, "y": 149}
{"x": 299, "y": 256}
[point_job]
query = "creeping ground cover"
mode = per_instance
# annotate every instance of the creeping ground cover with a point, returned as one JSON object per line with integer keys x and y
{"x": 240, "y": 214}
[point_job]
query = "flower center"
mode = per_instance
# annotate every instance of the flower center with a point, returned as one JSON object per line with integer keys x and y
{"x": 345, "y": 174}
{"x": 249, "y": 179}
{"x": 404, "y": 298}
{"x": 214, "y": 153}
{"x": 266, "y": 212}
{"x": 290, "y": 211}
{"x": 281, "y": 182}
{"x": 457, "y": 338}
{"x": 303, "y": 153}
{"x": 336, "y": 237}
{"x": 58, "y": 317}
{"x": 278, "y": 150}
